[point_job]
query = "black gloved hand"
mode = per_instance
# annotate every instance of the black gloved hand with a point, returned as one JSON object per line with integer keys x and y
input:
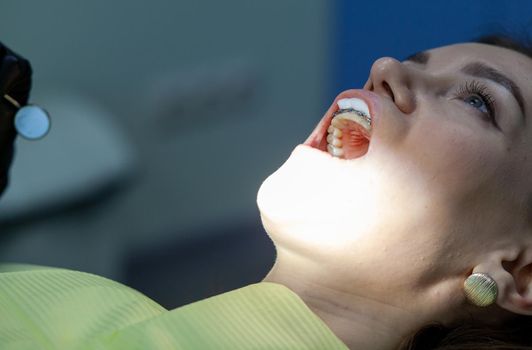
{"x": 15, "y": 81}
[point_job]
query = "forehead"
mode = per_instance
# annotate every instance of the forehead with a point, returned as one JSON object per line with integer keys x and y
{"x": 496, "y": 55}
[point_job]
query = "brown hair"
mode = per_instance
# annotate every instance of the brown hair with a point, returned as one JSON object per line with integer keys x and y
{"x": 513, "y": 335}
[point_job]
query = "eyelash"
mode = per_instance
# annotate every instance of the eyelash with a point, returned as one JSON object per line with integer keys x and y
{"x": 477, "y": 88}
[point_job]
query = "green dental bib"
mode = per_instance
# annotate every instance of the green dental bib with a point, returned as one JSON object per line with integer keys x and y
{"x": 49, "y": 308}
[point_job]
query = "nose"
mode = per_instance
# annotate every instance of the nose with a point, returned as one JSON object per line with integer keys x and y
{"x": 391, "y": 78}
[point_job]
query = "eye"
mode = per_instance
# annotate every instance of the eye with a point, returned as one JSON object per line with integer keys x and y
{"x": 476, "y": 95}
{"x": 477, "y": 102}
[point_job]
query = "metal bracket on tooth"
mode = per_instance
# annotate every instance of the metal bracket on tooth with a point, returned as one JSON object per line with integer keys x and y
{"x": 351, "y": 110}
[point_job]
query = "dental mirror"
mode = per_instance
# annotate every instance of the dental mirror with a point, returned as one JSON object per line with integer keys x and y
{"x": 31, "y": 122}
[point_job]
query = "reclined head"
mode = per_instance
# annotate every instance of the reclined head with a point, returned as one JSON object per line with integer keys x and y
{"x": 437, "y": 187}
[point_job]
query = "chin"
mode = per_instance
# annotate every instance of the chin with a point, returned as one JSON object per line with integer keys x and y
{"x": 315, "y": 199}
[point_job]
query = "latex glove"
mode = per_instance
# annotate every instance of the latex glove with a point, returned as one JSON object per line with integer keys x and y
{"x": 15, "y": 80}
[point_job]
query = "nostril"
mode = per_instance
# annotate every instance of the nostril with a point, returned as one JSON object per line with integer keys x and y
{"x": 368, "y": 85}
{"x": 371, "y": 87}
{"x": 388, "y": 89}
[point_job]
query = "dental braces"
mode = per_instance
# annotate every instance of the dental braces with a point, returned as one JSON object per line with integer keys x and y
{"x": 352, "y": 110}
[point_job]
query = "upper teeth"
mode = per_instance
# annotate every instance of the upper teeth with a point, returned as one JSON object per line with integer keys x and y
{"x": 354, "y": 103}
{"x": 357, "y": 106}
{"x": 353, "y": 109}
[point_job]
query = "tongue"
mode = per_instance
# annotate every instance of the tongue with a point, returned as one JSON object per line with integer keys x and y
{"x": 355, "y": 140}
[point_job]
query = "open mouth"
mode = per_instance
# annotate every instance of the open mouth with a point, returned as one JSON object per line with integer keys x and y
{"x": 345, "y": 131}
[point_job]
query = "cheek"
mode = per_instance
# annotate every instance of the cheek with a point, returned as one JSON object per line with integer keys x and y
{"x": 453, "y": 157}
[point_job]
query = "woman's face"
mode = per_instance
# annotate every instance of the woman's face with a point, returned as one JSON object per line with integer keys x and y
{"x": 441, "y": 183}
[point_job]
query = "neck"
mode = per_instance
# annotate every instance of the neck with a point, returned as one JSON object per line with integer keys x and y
{"x": 361, "y": 322}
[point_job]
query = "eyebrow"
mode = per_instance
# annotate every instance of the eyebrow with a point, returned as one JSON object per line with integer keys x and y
{"x": 480, "y": 70}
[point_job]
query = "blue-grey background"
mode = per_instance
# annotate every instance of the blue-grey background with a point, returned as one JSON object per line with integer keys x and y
{"x": 168, "y": 115}
{"x": 365, "y": 31}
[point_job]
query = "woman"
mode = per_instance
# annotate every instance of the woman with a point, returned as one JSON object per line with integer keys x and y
{"x": 384, "y": 224}
{"x": 380, "y": 245}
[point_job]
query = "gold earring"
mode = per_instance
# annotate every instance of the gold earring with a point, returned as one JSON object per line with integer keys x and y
{"x": 480, "y": 289}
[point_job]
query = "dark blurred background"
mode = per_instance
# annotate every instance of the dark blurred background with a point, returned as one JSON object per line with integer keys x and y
{"x": 168, "y": 115}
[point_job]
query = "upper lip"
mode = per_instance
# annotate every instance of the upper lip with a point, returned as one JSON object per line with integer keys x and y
{"x": 370, "y": 98}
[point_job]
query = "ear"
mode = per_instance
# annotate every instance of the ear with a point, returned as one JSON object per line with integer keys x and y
{"x": 512, "y": 270}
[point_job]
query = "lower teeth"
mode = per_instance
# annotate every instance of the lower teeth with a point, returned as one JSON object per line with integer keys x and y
{"x": 340, "y": 120}
{"x": 335, "y": 151}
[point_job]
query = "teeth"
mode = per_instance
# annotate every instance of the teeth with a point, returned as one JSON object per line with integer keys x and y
{"x": 336, "y": 122}
{"x": 334, "y": 141}
{"x": 353, "y": 115}
{"x": 335, "y": 151}
{"x": 334, "y": 144}
{"x": 334, "y": 131}
{"x": 354, "y": 103}
{"x": 353, "y": 109}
